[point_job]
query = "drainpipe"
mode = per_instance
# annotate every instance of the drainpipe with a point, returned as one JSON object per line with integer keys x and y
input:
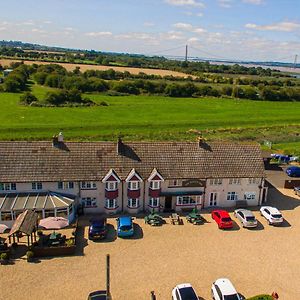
{"x": 144, "y": 204}
{"x": 122, "y": 198}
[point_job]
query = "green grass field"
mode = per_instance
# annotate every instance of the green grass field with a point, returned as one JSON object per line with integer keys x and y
{"x": 153, "y": 118}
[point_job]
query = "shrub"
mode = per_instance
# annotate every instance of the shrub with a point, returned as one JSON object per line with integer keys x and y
{"x": 29, "y": 254}
{"x": 28, "y": 98}
{"x": 4, "y": 256}
{"x": 261, "y": 297}
{"x": 70, "y": 242}
{"x": 103, "y": 103}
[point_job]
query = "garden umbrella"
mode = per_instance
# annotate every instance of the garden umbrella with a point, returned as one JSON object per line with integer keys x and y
{"x": 54, "y": 223}
{"x": 3, "y": 227}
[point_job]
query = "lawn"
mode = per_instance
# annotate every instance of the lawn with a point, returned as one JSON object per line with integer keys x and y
{"x": 152, "y": 118}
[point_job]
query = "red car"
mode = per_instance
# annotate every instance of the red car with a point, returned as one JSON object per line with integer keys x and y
{"x": 222, "y": 218}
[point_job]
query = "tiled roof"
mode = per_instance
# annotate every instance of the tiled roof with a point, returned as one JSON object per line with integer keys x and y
{"x": 74, "y": 161}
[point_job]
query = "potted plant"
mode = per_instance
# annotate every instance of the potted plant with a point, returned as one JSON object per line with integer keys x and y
{"x": 30, "y": 256}
{"x": 4, "y": 258}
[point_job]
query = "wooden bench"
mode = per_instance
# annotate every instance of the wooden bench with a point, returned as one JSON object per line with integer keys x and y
{"x": 175, "y": 219}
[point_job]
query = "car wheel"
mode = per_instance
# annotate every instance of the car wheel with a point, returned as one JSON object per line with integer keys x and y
{"x": 269, "y": 223}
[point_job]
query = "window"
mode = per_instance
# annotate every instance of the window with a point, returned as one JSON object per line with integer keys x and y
{"x": 188, "y": 200}
{"x": 110, "y": 185}
{"x": 6, "y": 216}
{"x": 8, "y": 186}
{"x": 133, "y": 185}
{"x": 111, "y": 203}
{"x": 37, "y": 186}
{"x": 174, "y": 182}
{"x": 133, "y": 202}
{"x": 89, "y": 202}
{"x": 88, "y": 185}
{"x": 60, "y": 185}
{"x": 62, "y": 212}
{"x": 249, "y": 196}
{"x": 155, "y": 184}
{"x": 253, "y": 180}
{"x": 234, "y": 180}
{"x": 232, "y": 196}
{"x": 49, "y": 213}
{"x": 154, "y": 202}
{"x": 215, "y": 181}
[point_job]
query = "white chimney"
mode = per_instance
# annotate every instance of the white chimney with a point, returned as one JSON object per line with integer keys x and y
{"x": 60, "y": 137}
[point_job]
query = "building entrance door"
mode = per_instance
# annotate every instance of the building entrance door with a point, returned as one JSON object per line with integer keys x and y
{"x": 213, "y": 199}
{"x": 168, "y": 203}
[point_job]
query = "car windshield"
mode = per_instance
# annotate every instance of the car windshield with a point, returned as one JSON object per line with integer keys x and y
{"x": 232, "y": 297}
{"x": 277, "y": 216}
{"x": 250, "y": 218}
{"x": 226, "y": 219}
{"x": 188, "y": 294}
{"x": 125, "y": 227}
{"x": 98, "y": 227}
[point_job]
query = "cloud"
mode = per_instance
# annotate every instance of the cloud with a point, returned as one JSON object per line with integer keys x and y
{"x": 189, "y": 27}
{"x": 225, "y": 3}
{"x": 192, "y": 40}
{"x": 148, "y": 24}
{"x": 185, "y": 3}
{"x": 281, "y": 26}
{"x": 99, "y": 33}
{"x": 184, "y": 26}
{"x": 255, "y": 2}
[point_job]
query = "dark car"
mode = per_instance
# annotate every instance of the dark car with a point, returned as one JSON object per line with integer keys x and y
{"x": 293, "y": 171}
{"x": 97, "y": 229}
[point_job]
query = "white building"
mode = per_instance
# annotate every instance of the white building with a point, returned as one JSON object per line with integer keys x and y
{"x": 53, "y": 178}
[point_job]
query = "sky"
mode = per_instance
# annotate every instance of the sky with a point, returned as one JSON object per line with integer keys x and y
{"x": 222, "y": 29}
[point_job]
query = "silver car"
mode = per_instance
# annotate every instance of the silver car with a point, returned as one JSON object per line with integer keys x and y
{"x": 246, "y": 218}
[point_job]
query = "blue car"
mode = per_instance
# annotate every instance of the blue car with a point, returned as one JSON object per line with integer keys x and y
{"x": 97, "y": 229}
{"x": 293, "y": 171}
{"x": 125, "y": 227}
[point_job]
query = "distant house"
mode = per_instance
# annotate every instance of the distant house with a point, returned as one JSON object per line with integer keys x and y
{"x": 115, "y": 177}
{"x": 6, "y": 72}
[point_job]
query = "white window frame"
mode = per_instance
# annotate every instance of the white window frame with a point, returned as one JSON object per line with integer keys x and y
{"x": 215, "y": 181}
{"x": 236, "y": 181}
{"x": 155, "y": 184}
{"x": 253, "y": 181}
{"x": 91, "y": 200}
{"x": 154, "y": 202}
{"x": 133, "y": 202}
{"x": 11, "y": 186}
{"x": 65, "y": 185}
{"x": 250, "y": 196}
{"x": 88, "y": 185}
{"x": 111, "y": 203}
{"x": 133, "y": 185}
{"x": 37, "y": 185}
{"x": 111, "y": 185}
{"x": 174, "y": 182}
{"x": 232, "y": 196}
{"x": 189, "y": 200}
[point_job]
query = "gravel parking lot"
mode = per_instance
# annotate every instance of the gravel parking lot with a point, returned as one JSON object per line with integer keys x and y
{"x": 257, "y": 261}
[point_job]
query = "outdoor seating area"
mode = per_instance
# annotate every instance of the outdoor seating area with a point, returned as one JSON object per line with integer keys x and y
{"x": 195, "y": 218}
{"x": 154, "y": 219}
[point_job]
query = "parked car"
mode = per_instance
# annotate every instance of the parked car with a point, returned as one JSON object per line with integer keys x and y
{"x": 297, "y": 190}
{"x": 98, "y": 295}
{"x": 246, "y": 217}
{"x": 125, "y": 226}
{"x": 293, "y": 171}
{"x": 272, "y": 214}
{"x": 97, "y": 229}
{"x": 184, "y": 291}
{"x": 222, "y": 218}
{"x": 223, "y": 289}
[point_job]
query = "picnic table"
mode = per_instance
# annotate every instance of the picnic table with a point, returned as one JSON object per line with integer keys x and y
{"x": 195, "y": 218}
{"x": 175, "y": 219}
{"x": 153, "y": 219}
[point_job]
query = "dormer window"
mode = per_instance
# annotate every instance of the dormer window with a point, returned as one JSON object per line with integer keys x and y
{"x": 111, "y": 185}
{"x": 133, "y": 185}
{"x": 155, "y": 184}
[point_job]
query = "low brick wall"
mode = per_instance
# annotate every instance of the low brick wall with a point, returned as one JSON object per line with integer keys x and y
{"x": 54, "y": 251}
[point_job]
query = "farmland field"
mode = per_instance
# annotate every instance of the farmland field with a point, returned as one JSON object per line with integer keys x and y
{"x": 153, "y": 118}
{"x": 84, "y": 67}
